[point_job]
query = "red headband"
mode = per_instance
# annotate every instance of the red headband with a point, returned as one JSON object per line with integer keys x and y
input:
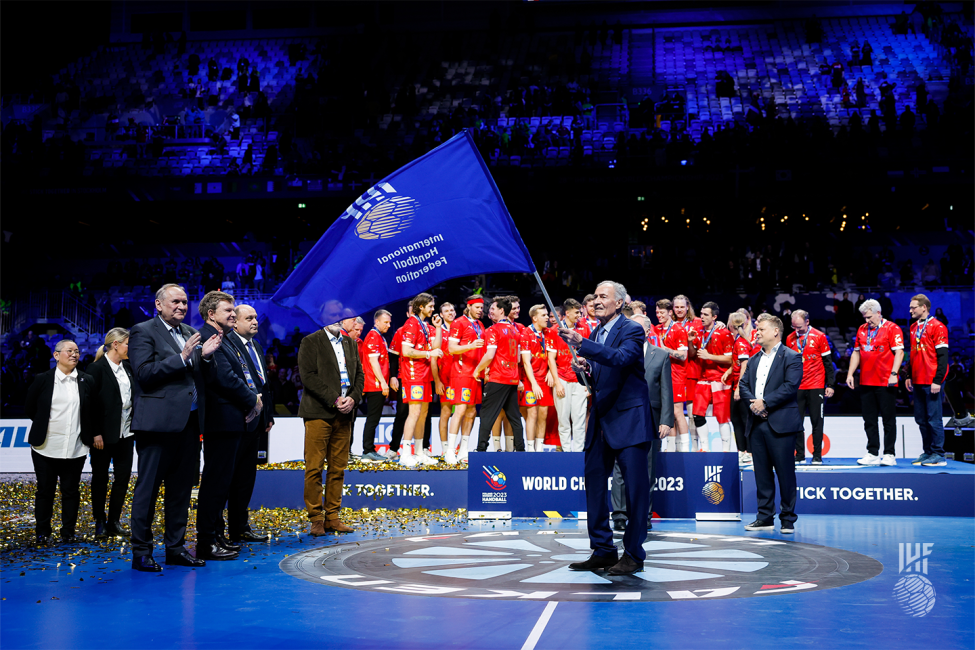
{"x": 475, "y": 301}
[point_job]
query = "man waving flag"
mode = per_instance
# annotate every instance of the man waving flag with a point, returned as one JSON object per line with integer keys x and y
{"x": 437, "y": 218}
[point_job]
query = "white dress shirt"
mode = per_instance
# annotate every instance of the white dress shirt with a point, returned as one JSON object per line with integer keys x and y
{"x": 260, "y": 363}
{"x": 125, "y": 390}
{"x": 336, "y": 342}
{"x": 64, "y": 427}
{"x": 764, "y": 365}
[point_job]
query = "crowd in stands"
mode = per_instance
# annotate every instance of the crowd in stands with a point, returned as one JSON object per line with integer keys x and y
{"x": 735, "y": 94}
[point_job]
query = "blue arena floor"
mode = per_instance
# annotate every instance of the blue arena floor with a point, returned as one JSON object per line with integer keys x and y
{"x": 853, "y": 584}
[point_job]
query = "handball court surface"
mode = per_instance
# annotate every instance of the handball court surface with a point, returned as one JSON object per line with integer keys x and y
{"x": 279, "y": 594}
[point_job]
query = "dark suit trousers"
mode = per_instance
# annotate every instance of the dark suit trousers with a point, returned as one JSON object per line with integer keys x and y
{"x": 172, "y": 458}
{"x": 119, "y": 456}
{"x": 242, "y": 483}
{"x": 219, "y": 454}
{"x": 402, "y": 412}
{"x": 599, "y": 462}
{"x": 49, "y": 471}
{"x": 497, "y": 398}
{"x": 618, "y": 492}
{"x": 771, "y": 452}
{"x": 374, "y": 411}
{"x": 739, "y": 420}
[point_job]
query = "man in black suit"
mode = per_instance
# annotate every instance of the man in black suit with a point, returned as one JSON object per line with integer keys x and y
{"x": 233, "y": 408}
{"x": 168, "y": 413}
{"x": 59, "y": 404}
{"x": 771, "y": 387}
{"x": 113, "y": 438}
{"x": 245, "y": 464}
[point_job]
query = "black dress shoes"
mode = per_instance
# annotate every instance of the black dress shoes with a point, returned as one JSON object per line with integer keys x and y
{"x": 43, "y": 540}
{"x": 184, "y": 559}
{"x": 626, "y": 566}
{"x": 215, "y": 552}
{"x": 146, "y": 563}
{"x": 594, "y": 562}
{"x": 250, "y": 536}
{"x": 99, "y": 528}
{"x": 114, "y": 529}
{"x": 69, "y": 538}
{"x": 225, "y": 543}
{"x": 619, "y": 524}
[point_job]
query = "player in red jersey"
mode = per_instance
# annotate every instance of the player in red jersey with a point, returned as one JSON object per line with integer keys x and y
{"x": 714, "y": 353}
{"x": 673, "y": 337}
{"x": 421, "y": 346}
{"x": 377, "y": 383}
{"x": 740, "y": 325}
{"x": 818, "y": 380}
{"x": 572, "y": 408}
{"x": 500, "y": 367}
{"x": 684, "y": 314}
{"x": 503, "y": 423}
{"x": 466, "y": 345}
{"x": 590, "y": 302}
{"x": 538, "y": 365}
{"x": 928, "y": 369}
{"x": 445, "y": 366}
{"x": 878, "y": 352}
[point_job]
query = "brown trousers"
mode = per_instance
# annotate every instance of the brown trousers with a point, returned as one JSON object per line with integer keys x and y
{"x": 326, "y": 441}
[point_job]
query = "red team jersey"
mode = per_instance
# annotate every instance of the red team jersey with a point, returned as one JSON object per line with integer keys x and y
{"x": 756, "y": 348}
{"x": 464, "y": 331}
{"x": 720, "y": 342}
{"x": 674, "y": 338}
{"x": 396, "y": 347}
{"x": 537, "y": 348}
{"x": 445, "y": 364}
{"x": 503, "y": 338}
{"x": 692, "y": 369}
{"x": 876, "y": 346}
{"x": 418, "y": 335}
{"x": 563, "y": 356}
{"x": 742, "y": 351}
{"x": 374, "y": 345}
{"x": 926, "y": 338}
{"x": 813, "y": 347}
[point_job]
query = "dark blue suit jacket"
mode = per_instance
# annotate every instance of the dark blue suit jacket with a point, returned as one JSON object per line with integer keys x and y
{"x": 229, "y": 398}
{"x": 621, "y": 402}
{"x": 162, "y": 393}
{"x": 264, "y": 388}
{"x": 781, "y": 390}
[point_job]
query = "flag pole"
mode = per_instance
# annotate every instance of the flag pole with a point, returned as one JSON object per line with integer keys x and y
{"x": 551, "y": 307}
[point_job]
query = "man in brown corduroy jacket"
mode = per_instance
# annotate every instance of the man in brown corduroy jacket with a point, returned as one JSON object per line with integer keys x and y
{"x": 331, "y": 373}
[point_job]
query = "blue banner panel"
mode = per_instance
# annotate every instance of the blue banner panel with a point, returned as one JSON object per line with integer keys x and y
{"x": 552, "y": 484}
{"x": 393, "y": 489}
{"x": 875, "y": 492}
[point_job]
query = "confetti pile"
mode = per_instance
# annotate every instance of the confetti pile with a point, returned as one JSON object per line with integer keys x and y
{"x": 288, "y": 530}
{"x": 358, "y": 466}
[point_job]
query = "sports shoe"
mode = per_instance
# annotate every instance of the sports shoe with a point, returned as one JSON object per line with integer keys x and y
{"x": 426, "y": 460}
{"x": 373, "y": 457}
{"x": 888, "y": 460}
{"x": 409, "y": 460}
{"x": 786, "y": 529}
{"x": 462, "y": 454}
{"x": 450, "y": 457}
{"x": 869, "y": 459}
{"x": 920, "y": 459}
{"x": 392, "y": 455}
{"x": 800, "y": 461}
{"x": 935, "y": 460}
{"x": 817, "y": 460}
{"x": 758, "y": 524}
{"x": 965, "y": 421}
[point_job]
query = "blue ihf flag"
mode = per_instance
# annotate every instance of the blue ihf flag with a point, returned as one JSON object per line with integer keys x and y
{"x": 437, "y": 218}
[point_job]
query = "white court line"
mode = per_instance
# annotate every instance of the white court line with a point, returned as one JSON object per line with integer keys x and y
{"x": 539, "y": 626}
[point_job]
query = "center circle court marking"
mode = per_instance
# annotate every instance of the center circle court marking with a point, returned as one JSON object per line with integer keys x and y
{"x": 533, "y": 565}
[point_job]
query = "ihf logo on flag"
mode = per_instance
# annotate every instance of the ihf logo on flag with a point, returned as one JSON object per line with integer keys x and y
{"x": 381, "y": 213}
{"x": 913, "y": 591}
